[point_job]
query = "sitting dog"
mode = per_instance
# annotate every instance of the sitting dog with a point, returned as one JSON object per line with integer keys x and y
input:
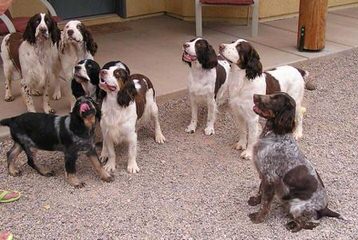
{"x": 128, "y": 99}
{"x": 86, "y": 79}
{"x": 33, "y": 56}
{"x": 247, "y": 79}
{"x": 76, "y": 44}
{"x": 207, "y": 81}
{"x": 70, "y": 134}
{"x": 283, "y": 169}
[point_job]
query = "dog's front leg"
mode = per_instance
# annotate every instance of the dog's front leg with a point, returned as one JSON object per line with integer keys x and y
{"x": 256, "y": 200}
{"x": 46, "y": 98}
{"x": 253, "y": 133}
{"x": 132, "y": 154}
{"x": 194, "y": 115}
{"x": 108, "y": 154}
{"x": 70, "y": 169}
{"x": 26, "y": 94}
{"x": 212, "y": 110}
{"x": 268, "y": 192}
{"x": 242, "y": 127}
{"x": 104, "y": 175}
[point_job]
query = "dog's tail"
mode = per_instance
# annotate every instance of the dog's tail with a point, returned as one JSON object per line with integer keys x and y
{"x": 309, "y": 85}
{"x": 326, "y": 212}
{"x": 6, "y": 122}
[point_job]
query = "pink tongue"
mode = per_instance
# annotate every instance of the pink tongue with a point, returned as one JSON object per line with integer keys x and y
{"x": 84, "y": 107}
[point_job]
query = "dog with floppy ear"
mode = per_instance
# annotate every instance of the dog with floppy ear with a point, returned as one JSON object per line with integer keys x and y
{"x": 283, "y": 169}
{"x": 76, "y": 44}
{"x": 32, "y": 57}
{"x": 207, "y": 81}
{"x": 69, "y": 134}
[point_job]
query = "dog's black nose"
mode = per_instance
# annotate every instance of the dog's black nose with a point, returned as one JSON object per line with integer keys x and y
{"x": 185, "y": 45}
{"x": 43, "y": 30}
{"x": 70, "y": 32}
{"x": 77, "y": 68}
{"x": 221, "y": 47}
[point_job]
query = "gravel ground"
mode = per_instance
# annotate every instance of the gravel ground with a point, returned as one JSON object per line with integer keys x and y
{"x": 196, "y": 187}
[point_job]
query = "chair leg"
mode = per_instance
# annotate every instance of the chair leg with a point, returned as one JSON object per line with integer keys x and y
{"x": 198, "y": 19}
{"x": 255, "y": 19}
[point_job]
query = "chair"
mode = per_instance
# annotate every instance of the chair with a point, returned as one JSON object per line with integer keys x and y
{"x": 254, "y": 4}
{"x": 18, "y": 24}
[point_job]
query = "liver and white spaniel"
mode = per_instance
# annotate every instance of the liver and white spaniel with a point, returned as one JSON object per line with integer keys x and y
{"x": 247, "y": 79}
{"x": 208, "y": 77}
{"x": 283, "y": 169}
{"x": 32, "y": 57}
{"x": 76, "y": 44}
{"x": 129, "y": 99}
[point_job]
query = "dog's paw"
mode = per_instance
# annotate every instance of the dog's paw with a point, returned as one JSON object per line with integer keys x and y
{"x": 107, "y": 177}
{"x": 159, "y": 138}
{"x": 9, "y": 98}
{"x": 103, "y": 160}
{"x": 240, "y": 145}
{"x": 297, "y": 135}
{"x": 209, "y": 131}
{"x": 254, "y": 200}
{"x": 110, "y": 167}
{"x": 49, "y": 174}
{"x": 79, "y": 185}
{"x": 247, "y": 155}
{"x": 191, "y": 128}
{"x": 133, "y": 168}
{"x": 56, "y": 95}
{"x": 15, "y": 172}
{"x": 256, "y": 217}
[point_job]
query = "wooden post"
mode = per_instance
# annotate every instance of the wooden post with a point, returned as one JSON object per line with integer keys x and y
{"x": 312, "y": 25}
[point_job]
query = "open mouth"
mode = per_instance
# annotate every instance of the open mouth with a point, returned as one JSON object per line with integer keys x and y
{"x": 80, "y": 78}
{"x": 71, "y": 39}
{"x": 103, "y": 84}
{"x": 223, "y": 56}
{"x": 187, "y": 57}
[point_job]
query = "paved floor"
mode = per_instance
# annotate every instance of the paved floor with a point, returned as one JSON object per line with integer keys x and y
{"x": 152, "y": 46}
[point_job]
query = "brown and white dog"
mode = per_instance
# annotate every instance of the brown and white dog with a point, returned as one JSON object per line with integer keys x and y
{"x": 76, "y": 44}
{"x": 33, "y": 58}
{"x": 129, "y": 99}
{"x": 207, "y": 82}
{"x": 247, "y": 79}
{"x": 283, "y": 169}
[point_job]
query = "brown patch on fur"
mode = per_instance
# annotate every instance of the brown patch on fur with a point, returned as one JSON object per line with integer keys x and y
{"x": 74, "y": 181}
{"x": 90, "y": 121}
{"x": 220, "y": 78}
{"x": 140, "y": 98}
{"x": 13, "y": 44}
{"x": 300, "y": 182}
{"x": 272, "y": 84}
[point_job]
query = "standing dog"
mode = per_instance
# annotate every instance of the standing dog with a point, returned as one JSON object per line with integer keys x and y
{"x": 129, "y": 99}
{"x": 207, "y": 81}
{"x": 33, "y": 56}
{"x": 247, "y": 79}
{"x": 283, "y": 169}
{"x": 70, "y": 134}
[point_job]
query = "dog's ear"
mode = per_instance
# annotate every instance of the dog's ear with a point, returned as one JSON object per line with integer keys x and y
{"x": 206, "y": 55}
{"x": 29, "y": 33}
{"x": 124, "y": 75}
{"x": 127, "y": 94}
{"x": 284, "y": 121}
{"x": 249, "y": 60}
{"x": 54, "y": 31}
{"x": 91, "y": 45}
{"x": 77, "y": 89}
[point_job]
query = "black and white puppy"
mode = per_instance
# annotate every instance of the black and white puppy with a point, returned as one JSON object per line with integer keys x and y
{"x": 208, "y": 77}
{"x": 70, "y": 134}
{"x": 76, "y": 44}
{"x": 32, "y": 57}
{"x": 129, "y": 99}
{"x": 283, "y": 169}
{"x": 86, "y": 79}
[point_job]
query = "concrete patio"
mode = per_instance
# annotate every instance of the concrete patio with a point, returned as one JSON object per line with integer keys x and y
{"x": 152, "y": 46}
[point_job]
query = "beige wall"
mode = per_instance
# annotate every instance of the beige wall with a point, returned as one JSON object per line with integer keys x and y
{"x": 185, "y": 8}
